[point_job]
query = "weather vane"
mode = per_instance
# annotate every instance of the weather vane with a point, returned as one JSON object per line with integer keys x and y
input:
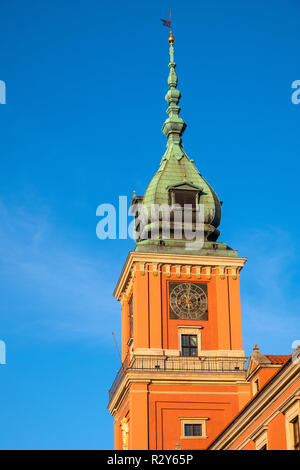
{"x": 168, "y": 24}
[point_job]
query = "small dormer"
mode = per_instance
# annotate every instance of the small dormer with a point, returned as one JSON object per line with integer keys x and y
{"x": 262, "y": 367}
{"x": 184, "y": 193}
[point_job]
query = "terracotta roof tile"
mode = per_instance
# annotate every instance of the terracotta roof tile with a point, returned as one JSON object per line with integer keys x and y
{"x": 277, "y": 359}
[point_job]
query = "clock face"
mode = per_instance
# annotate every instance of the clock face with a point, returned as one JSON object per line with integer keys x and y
{"x": 188, "y": 301}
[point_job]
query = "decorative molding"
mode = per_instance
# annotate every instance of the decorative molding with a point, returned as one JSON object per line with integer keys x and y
{"x": 224, "y": 353}
{"x": 261, "y": 442}
{"x": 290, "y": 402}
{"x": 142, "y": 268}
{"x": 168, "y": 270}
{"x": 167, "y": 377}
{"x": 155, "y": 269}
{"x": 206, "y": 262}
{"x": 222, "y": 272}
{"x": 198, "y": 271}
{"x": 208, "y": 270}
{"x": 129, "y": 285}
{"x": 234, "y": 273}
{"x": 193, "y": 419}
{"x": 178, "y": 270}
{"x": 124, "y": 298}
{"x": 171, "y": 352}
{"x": 193, "y": 327}
{"x": 188, "y": 271}
{"x": 291, "y": 410}
{"x": 148, "y": 352}
{"x": 257, "y": 433}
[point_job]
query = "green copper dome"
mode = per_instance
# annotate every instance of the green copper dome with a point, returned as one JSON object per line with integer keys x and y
{"x": 178, "y": 180}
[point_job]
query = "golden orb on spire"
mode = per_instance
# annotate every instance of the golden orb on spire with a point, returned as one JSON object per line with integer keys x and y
{"x": 171, "y": 38}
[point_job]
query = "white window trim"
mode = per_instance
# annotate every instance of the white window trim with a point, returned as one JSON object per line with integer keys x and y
{"x": 262, "y": 441}
{"x": 260, "y": 437}
{"x": 201, "y": 421}
{"x": 255, "y": 388}
{"x": 291, "y": 410}
{"x": 190, "y": 330}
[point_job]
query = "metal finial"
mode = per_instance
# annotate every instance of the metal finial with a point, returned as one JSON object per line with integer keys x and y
{"x": 171, "y": 38}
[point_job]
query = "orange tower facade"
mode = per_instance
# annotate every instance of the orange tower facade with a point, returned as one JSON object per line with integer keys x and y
{"x": 182, "y": 377}
{"x": 182, "y": 380}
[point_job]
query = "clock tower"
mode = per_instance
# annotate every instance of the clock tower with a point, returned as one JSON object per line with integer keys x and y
{"x": 182, "y": 377}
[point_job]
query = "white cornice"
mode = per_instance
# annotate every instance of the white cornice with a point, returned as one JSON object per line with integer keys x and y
{"x": 171, "y": 259}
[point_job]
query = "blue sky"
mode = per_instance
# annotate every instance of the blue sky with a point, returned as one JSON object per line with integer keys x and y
{"x": 86, "y": 82}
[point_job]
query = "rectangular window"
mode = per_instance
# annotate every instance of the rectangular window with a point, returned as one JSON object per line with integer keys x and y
{"x": 189, "y": 345}
{"x": 192, "y": 430}
{"x": 185, "y": 197}
{"x": 296, "y": 433}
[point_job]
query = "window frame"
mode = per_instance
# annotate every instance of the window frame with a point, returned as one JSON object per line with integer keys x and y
{"x": 192, "y": 331}
{"x": 260, "y": 438}
{"x": 256, "y": 386}
{"x": 189, "y": 347}
{"x": 291, "y": 410}
{"x": 262, "y": 442}
{"x": 296, "y": 432}
{"x": 182, "y": 193}
{"x": 193, "y": 429}
{"x": 194, "y": 421}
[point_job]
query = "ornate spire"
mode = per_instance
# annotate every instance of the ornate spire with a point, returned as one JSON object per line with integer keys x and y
{"x": 178, "y": 177}
{"x": 174, "y": 125}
